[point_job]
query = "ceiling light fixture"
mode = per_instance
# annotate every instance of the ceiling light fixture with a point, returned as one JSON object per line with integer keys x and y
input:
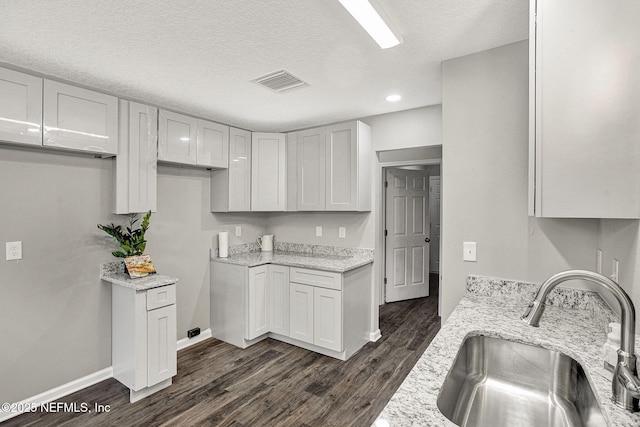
{"x": 372, "y": 21}
{"x": 393, "y": 98}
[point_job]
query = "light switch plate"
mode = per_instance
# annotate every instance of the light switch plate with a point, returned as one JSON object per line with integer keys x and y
{"x": 238, "y": 231}
{"x": 599, "y": 261}
{"x": 342, "y": 232}
{"x": 469, "y": 251}
{"x": 14, "y": 251}
{"x": 318, "y": 231}
{"x": 615, "y": 267}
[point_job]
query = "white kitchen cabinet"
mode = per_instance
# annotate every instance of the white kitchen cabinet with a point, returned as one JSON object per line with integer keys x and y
{"x": 278, "y": 295}
{"x": 231, "y": 188}
{"x": 79, "y": 119}
{"x": 301, "y": 312}
{"x": 135, "y": 166}
{"x": 212, "y": 145}
{"x": 327, "y": 318}
{"x": 268, "y": 172}
{"x": 311, "y": 171}
{"x": 177, "y": 138}
{"x": 348, "y": 167}
{"x": 144, "y": 338}
{"x": 257, "y": 302}
{"x": 584, "y": 153}
{"x": 20, "y": 108}
{"x": 292, "y": 172}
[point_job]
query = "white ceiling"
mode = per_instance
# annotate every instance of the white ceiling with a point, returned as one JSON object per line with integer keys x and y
{"x": 198, "y": 56}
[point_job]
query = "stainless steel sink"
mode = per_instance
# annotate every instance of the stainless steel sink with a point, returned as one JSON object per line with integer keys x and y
{"x": 496, "y": 382}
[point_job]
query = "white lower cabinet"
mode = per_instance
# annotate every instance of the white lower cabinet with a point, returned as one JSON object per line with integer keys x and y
{"x": 257, "y": 302}
{"x": 278, "y": 299}
{"x": 327, "y": 318}
{"x": 144, "y": 338}
{"x": 301, "y": 312}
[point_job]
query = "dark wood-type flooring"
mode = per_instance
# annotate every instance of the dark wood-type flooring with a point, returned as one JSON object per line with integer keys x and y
{"x": 270, "y": 383}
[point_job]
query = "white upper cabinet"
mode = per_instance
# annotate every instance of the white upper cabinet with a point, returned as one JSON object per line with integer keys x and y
{"x": 348, "y": 167}
{"x": 584, "y": 115}
{"x": 311, "y": 147}
{"x": 231, "y": 188}
{"x": 268, "y": 172}
{"x": 213, "y": 145}
{"x": 177, "y": 138}
{"x": 135, "y": 166}
{"x": 20, "y": 108}
{"x": 80, "y": 119}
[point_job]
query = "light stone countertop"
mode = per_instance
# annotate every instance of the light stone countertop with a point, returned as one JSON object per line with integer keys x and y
{"x": 113, "y": 272}
{"x": 574, "y": 323}
{"x": 326, "y": 258}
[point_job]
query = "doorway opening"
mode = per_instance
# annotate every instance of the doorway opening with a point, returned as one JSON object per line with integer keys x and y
{"x": 409, "y": 226}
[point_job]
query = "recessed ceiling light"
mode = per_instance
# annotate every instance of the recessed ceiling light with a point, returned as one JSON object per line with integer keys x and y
{"x": 372, "y": 21}
{"x": 393, "y": 98}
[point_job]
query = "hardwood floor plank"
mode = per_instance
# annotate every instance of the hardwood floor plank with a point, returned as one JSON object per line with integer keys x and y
{"x": 270, "y": 383}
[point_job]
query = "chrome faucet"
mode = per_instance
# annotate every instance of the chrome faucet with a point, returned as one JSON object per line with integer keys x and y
{"x": 625, "y": 385}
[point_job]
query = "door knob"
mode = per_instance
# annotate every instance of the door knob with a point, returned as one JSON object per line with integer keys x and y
{"x": 427, "y": 239}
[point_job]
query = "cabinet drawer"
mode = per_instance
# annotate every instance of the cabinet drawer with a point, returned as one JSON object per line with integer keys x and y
{"x": 160, "y": 297}
{"x": 323, "y": 279}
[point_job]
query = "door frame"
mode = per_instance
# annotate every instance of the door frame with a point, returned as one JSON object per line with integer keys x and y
{"x": 381, "y": 220}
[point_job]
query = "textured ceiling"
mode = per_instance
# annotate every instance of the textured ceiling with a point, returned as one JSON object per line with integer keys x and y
{"x": 199, "y": 57}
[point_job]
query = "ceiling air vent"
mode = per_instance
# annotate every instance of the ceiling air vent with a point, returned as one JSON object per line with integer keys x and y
{"x": 280, "y": 81}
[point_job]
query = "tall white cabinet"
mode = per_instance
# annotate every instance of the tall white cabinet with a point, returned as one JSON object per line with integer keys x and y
{"x": 135, "y": 166}
{"x": 231, "y": 188}
{"x": 79, "y": 119}
{"x": 311, "y": 170}
{"x": 584, "y": 89}
{"x": 20, "y": 108}
{"x": 268, "y": 172}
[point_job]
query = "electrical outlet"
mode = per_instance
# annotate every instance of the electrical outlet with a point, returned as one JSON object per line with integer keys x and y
{"x": 193, "y": 332}
{"x": 469, "y": 251}
{"x": 342, "y": 232}
{"x": 14, "y": 250}
{"x": 238, "y": 231}
{"x": 318, "y": 231}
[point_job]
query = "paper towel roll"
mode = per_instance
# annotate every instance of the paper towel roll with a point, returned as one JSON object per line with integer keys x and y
{"x": 223, "y": 244}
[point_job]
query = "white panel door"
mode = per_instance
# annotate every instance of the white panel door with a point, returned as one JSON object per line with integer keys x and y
{"x": 341, "y": 167}
{"x": 161, "y": 344}
{"x": 177, "y": 138}
{"x": 268, "y": 172}
{"x": 407, "y": 240}
{"x": 301, "y": 312}
{"x": 327, "y": 318}
{"x": 213, "y": 144}
{"x": 311, "y": 170}
{"x": 239, "y": 170}
{"x": 257, "y": 302}
{"x": 79, "y": 119}
{"x": 20, "y": 107}
{"x": 136, "y": 163}
{"x": 434, "y": 216}
{"x": 278, "y": 294}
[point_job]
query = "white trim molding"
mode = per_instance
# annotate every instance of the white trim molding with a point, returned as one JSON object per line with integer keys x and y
{"x": 375, "y": 336}
{"x": 188, "y": 342}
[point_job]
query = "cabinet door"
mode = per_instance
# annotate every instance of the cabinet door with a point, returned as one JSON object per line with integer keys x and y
{"x": 177, "y": 138}
{"x": 327, "y": 318}
{"x": 135, "y": 167}
{"x": 278, "y": 294}
{"x": 311, "y": 170}
{"x": 80, "y": 119}
{"x": 257, "y": 302}
{"x": 20, "y": 107}
{"x": 213, "y": 144}
{"x": 586, "y": 151}
{"x": 301, "y": 312}
{"x": 239, "y": 170}
{"x": 268, "y": 172}
{"x": 161, "y": 344}
{"x": 341, "y": 167}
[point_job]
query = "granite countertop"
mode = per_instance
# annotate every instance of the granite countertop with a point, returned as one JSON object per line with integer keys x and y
{"x": 113, "y": 272}
{"x": 318, "y": 257}
{"x": 574, "y": 323}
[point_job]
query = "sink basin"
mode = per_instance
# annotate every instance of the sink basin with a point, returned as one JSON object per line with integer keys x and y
{"x": 496, "y": 382}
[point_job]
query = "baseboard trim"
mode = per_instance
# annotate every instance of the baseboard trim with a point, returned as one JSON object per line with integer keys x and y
{"x": 59, "y": 392}
{"x": 188, "y": 342}
{"x": 375, "y": 336}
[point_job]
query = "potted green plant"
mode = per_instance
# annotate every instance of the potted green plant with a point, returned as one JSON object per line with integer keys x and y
{"x": 131, "y": 240}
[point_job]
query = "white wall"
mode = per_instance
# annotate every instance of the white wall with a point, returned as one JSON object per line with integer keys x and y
{"x": 417, "y": 127}
{"x": 484, "y": 180}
